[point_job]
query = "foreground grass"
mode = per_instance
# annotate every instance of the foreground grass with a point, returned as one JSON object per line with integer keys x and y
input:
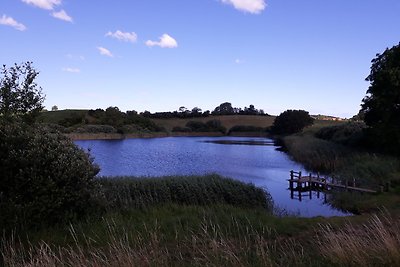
{"x": 201, "y": 221}
{"x": 176, "y": 235}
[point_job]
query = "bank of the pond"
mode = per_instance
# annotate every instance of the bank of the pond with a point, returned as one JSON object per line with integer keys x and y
{"x": 346, "y": 163}
{"x": 118, "y": 136}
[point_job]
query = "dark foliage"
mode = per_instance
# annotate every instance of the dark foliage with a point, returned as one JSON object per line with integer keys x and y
{"x": 209, "y": 126}
{"x": 350, "y": 133}
{"x": 246, "y": 128}
{"x": 291, "y": 121}
{"x": 382, "y": 104}
{"x": 45, "y": 178}
{"x": 127, "y": 122}
{"x": 181, "y": 129}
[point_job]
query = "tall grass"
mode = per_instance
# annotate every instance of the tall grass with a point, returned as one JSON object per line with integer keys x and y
{"x": 133, "y": 192}
{"x": 211, "y": 245}
{"x": 372, "y": 242}
{"x": 375, "y": 243}
{"x": 368, "y": 169}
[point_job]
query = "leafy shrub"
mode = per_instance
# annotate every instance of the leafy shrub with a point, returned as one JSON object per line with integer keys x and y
{"x": 181, "y": 129}
{"x": 348, "y": 134}
{"x": 209, "y": 126}
{"x": 95, "y": 129}
{"x": 246, "y": 128}
{"x": 45, "y": 178}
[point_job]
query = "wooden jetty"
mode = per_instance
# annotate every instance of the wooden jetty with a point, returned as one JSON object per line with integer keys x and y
{"x": 304, "y": 183}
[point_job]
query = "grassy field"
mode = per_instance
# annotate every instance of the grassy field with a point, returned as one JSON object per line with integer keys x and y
{"x": 227, "y": 121}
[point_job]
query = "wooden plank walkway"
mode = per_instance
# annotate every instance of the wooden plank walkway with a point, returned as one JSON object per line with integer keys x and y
{"x": 299, "y": 182}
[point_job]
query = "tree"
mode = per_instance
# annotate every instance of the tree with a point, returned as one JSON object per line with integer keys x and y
{"x": 54, "y": 108}
{"x": 291, "y": 121}
{"x": 224, "y": 109}
{"x": 20, "y": 96}
{"x": 381, "y": 106}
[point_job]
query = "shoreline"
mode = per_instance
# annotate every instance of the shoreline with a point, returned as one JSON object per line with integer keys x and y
{"x": 117, "y": 136}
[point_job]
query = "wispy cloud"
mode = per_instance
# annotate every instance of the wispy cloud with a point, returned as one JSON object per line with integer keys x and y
{"x": 239, "y": 61}
{"x": 62, "y": 15}
{"x": 72, "y": 70}
{"x": 166, "y": 41}
{"x": 123, "y": 36}
{"x": 75, "y": 57}
{"x": 9, "y": 21}
{"x": 104, "y": 51}
{"x": 43, "y": 4}
{"x": 250, "y": 6}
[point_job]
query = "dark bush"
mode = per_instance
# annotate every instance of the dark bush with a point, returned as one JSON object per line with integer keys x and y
{"x": 291, "y": 121}
{"x": 181, "y": 129}
{"x": 95, "y": 129}
{"x": 350, "y": 133}
{"x": 45, "y": 178}
{"x": 246, "y": 128}
{"x": 209, "y": 126}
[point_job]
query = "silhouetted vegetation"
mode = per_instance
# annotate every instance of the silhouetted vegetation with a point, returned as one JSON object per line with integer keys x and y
{"x": 246, "y": 128}
{"x": 198, "y": 126}
{"x": 223, "y": 109}
{"x": 291, "y": 121}
{"x": 351, "y": 133}
{"x": 382, "y": 104}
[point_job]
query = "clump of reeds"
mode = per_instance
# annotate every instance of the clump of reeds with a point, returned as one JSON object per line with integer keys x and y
{"x": 133, "y": 192}
{"x": 367, "y": 169}
{"x": 375, "y": 243}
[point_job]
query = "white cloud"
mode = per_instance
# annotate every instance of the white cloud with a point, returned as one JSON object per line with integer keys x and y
{"x": 62, "y": 15}
{"x": 75, "y": 57}
{"x": 72, "y": 70}
{"x": 44, "y": 4}
{"x": 105, "y": 52}
{"x": 251, "y": 6}
{"x": 166, "y": 41}
{"x": 9, "y": 21}
{"x": 123, "y": 36}
{"x": 239, "y": 61}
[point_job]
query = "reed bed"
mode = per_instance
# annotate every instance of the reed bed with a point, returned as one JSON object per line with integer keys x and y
{"x": 134, "y": 192}
{"x": 368, "y": 169}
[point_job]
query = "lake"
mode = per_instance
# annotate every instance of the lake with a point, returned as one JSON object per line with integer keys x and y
{"x": 251, "y": 160}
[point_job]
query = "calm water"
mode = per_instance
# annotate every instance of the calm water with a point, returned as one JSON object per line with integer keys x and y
{"x": 252, "y": 160}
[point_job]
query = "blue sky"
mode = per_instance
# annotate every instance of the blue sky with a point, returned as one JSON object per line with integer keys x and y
{"x": 158, "y": 55}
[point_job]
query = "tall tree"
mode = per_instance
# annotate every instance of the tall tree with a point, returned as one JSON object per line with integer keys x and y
{"x": 381, "y": 106}
{"x": 20, "y": 96}
{"x": 224, "y": 109}
{"x": 291, "y": 121}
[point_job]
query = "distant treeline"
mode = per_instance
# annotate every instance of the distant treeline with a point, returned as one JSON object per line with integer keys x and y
{"x": 110, "y": 120}
{"x": 223, "y": 109}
